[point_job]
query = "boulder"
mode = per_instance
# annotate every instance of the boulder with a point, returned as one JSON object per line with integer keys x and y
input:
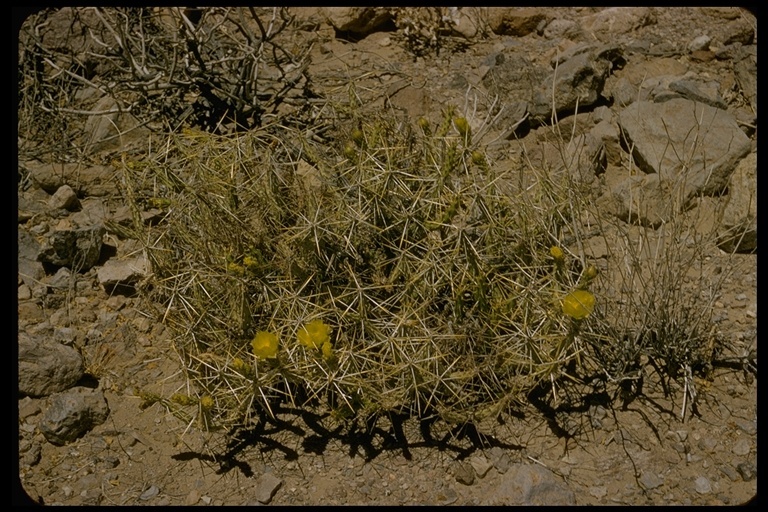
{"x": 738, "y": 231}
{"x": 72, "y": 413}
{"x": 47, "y": 367}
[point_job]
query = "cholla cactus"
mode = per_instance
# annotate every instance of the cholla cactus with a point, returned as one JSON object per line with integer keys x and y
{"x": 399, "y": 271}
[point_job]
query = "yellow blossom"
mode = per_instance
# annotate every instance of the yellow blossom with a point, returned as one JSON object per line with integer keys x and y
{"x": 265, "y": 344}
{"x": 327, "y": 350}
{"x": 206, "y": 403}
{"x": 578, "y": 304}
{"x": 557, "y": 253}
{"x": 314, "y": 334}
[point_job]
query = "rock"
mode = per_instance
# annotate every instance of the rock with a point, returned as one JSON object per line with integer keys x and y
{"x": 645, "y": 200}
{"x": 481, "y": 465}
{"x": 575, "y": 83}
{"x": 357, "y": 21}
{"x": 738, "y": 231}
{"x": 77, "y": 249}
{"x": 741, "y": 447}
{"x": 30, "y": 269}
{"x": 738, "y": 31}
{"x": 266, "y": 487}
{"x": 692, "y": 144}
{"x": 111, "y": 129}
{"x": 95, "y": 181}
{"x": 726, "y": 13}
{"x": 650, "y": 480}
{"x": 699, "y": 43}
{"x": 562, "y": 29}
{"x": 747, "y": 470}
{"x": 64, "y": 198}
{"x": 745, "y": 70}
{"x": 617, "y": 20}
{"x": 749, "y": 427}
{"x": 583, "y": 157}
{"x": 500, "y": 459}
{"x": 46, "y": 367}
{"x": 703, "y": 485}
{"x": 121, "y": 276}
{"x": 150, "y": 493}
{"x": 72, "y": 413}
{"x": 515, "y": 21}
{"x": 530, "y": 484}
{"x": 697, "y": 90}
{"x": 464, "y": 473}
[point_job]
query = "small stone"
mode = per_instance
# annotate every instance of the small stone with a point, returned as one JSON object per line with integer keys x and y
{"x": 747, "y": 426}
{"x": 598, "y": 491}
{"x": 747, "y": 471}
{"x": 481, "y": 465}
{"x": 192, "y": 498}
{"x": 650, "y": 480}
{"x": 150, "y": 493}
{"x": 741, "y": 447}
{"x": 729, "y": 471}
{"x": 464, "y": 473}
{"x": 703, "y": 486}
{"x": 708, "y": 444}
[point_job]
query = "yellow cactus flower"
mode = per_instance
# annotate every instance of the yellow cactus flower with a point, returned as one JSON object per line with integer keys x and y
{"x": 239, "y": 365}
{"x": 590, "y": 272}
{"x": 557, "y": 253}
{"x": 462, "y": 126}
{"x": 327, "y": 351}
{"x": 578, "y": 304}
{"x": 206, "y": 403}
{"x": 265, "y": 344}
{"x": 358, "y": 136}
{"x": 315, "y": 334}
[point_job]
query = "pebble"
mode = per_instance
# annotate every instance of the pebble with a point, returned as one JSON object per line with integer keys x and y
{"x": 464, "y": 473}
{"x": 703, "y": 486}
{"x": 708, "y": 444}
{"x": 598, "y": 491}
{"x": 150, "y": 493}
{"x": 747, "y": 471}
{"x": 747, "y": 426}
{"x": 741, "y": 447}
{"x": 192, "y": 498}
{"x": 650, "y": 480}
{"x": 481, "y": 465}
{"x": 729, "y": 471}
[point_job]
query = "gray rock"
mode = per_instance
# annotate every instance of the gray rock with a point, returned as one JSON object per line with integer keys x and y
{"x": 30, "y": 269}
{"x": 46, "y": 367}
{"x": 575, "y": 83}
{"x": 150, "y": 493}
{"x": 500, "y": 459}
{"x": 703, "y": 485}
{"x": 583, "y": 158}
{"x": 266, "y": 487}
{"x": 745, "y": 70}
{"x": 699, "y": 43}
{"x": 72, "y": 413}
{"x": 122, "y": 274}
{"x": 650, "y": 480}
{"x": 738, "y": 231}
{"x": 530, "y": 484}
{"x": 78, "y": 249}
{"x": 747, "y": 470}
{"x": 685, "y": 141}
{"x": 741, "y": 447}
{"x": 645, "y": 200}
{"x": 747, "y": 426}
{"x": 481, "y": 465}
{"x": 697, "y": 90}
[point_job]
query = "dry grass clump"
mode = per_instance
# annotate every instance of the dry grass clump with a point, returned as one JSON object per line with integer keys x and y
{"x": 394, "y": 270}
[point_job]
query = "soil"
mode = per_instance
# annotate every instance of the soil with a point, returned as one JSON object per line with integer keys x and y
{"x": 636, "y": 453}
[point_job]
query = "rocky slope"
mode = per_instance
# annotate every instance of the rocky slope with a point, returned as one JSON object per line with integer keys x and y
{"x": 623, "y": 81}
